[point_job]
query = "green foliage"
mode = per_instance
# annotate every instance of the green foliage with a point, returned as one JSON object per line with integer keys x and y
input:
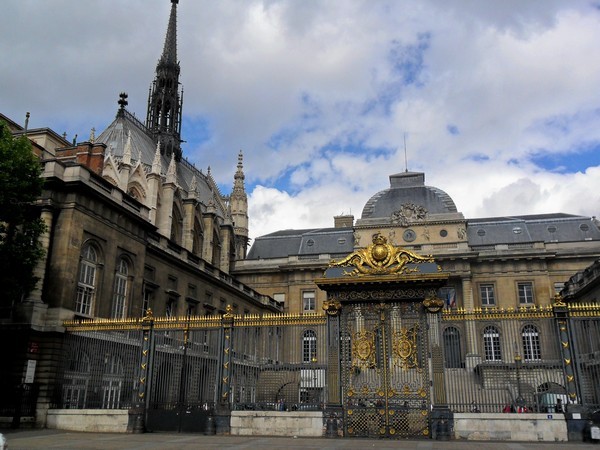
{"x": 20, "y": 225}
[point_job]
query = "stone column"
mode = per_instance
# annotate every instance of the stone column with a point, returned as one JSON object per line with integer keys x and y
{"x": 472, "y": 357}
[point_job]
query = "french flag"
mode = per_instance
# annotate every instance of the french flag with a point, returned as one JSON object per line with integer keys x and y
{"x": 450, "y": 298}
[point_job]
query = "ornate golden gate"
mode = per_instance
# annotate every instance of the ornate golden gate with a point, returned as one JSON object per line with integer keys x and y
{"x": 384, "y": 369}
{"x": 380, "y": 300}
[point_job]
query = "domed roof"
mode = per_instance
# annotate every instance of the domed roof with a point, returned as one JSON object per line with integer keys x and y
{"x": 408, "y": 189}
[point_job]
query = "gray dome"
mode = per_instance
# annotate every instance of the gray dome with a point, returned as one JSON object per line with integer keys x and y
{"x": 408, "y": 188}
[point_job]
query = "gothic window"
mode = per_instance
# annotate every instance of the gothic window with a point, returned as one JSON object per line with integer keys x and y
{"x": 452, "y": 351}
{"x": 531, "y": 343}
{"x": 197, "y": 244}
{"x": 86, "y": 282}
{"x": 119, "y": 307}
{"x": 491, "y": 344}
{"x": 309, "y": 346}
{"x": 176, "y": 225}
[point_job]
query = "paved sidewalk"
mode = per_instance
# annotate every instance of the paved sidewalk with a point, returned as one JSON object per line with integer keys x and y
{"x": 65, "y": 440}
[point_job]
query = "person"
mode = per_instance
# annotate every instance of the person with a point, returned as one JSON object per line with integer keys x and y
{"x": 559, "y": 406}
{"x": 474, "y": 407}
{"x": 507, "y": 408}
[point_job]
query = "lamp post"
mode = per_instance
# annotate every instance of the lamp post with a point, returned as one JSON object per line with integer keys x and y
{"x": 314, "y": 370}
{"x": 520, "y": 401}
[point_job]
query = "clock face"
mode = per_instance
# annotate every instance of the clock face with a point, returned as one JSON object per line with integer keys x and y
{"x": 409, "y": 235}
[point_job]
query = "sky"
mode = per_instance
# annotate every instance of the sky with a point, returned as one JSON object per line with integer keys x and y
{"x": 497, "y": 102}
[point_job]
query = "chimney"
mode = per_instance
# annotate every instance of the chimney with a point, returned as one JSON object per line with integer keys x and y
{"x": 343, "y": 221}
{"x": 90, "y": 155}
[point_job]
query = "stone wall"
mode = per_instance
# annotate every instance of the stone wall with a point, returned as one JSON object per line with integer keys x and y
{"x": 277, "y": 423}
{"x": 510, "y": 427}
{"x": 91, "y": 420}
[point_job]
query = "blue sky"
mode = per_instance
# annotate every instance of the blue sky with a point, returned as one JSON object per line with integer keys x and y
{"x": 498, "y": 102}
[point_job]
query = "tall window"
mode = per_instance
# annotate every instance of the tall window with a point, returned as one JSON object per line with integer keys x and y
{"x": 86, "y": 283}
{"x": 112, "y": 382}
{"x": 491, "y": 344}
{"x": 77, "y": 376}
{"x": 171, "y": 308}
{"x": 486, "y": 292}
{"x": 309, "y": 346}
{"x": 452, "y": 353}
{"x": 147, "y": 295}
{"x": 279, "y": 297}
{"x": 525, "y": 293}
{"x": 308, "y": 301}
{"x": 531, "y": 343}
{"x": 119, "y": 309}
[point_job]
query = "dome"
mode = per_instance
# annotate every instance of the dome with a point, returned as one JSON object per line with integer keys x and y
{"x": 408, "y": 190}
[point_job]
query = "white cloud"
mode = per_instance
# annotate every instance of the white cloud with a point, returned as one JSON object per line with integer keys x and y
{"x": 319, "y": 95}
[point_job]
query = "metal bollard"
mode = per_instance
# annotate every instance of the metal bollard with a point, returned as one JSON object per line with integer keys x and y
{"x": 210, "y": 426}
{"x": 332, "y": 428}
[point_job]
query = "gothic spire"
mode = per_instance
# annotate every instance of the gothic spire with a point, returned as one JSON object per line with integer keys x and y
{"x": 169, "y": 55}
{"x": 238, "y": 178}
{"x": 165, "y": 101}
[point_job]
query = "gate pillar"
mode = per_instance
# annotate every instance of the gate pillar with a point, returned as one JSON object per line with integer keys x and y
{"x": 222, "y": 413}
{"x": 441, "y": 416}
{"x": 333, "y": 401}
{"x": 137, "y": 414}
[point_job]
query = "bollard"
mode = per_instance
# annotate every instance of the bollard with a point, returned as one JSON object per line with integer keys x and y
{"x": 210, "y": 426}
{"x": 332, "y": 428}
{"x": 443, "y": 433}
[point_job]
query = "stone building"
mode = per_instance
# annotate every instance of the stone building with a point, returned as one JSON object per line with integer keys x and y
{"x": 498, "y": 262}
{"x": 132, "y": 226}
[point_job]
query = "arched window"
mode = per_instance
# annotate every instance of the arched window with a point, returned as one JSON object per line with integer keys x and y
{"x": 491, "y": 344}
{"x": 452, "y": 352}
{"x": 309, "y": 346}
{"x": 86, "y": 282}
{"x": 119, "y": 306}
{"x": 531, "y": 343}
{"x": 176, "y": 225}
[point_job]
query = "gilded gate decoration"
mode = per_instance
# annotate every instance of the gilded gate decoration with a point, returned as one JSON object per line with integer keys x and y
{"x": 382, "y": 258}
{"x": 385, "y": 380}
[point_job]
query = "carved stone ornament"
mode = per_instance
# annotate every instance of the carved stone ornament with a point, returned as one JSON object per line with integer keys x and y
{"x": 381, "y": 258}
{"x": 332, "y": 307}
{"x": 409, "y": 212}
{"x": 433, "y": 304}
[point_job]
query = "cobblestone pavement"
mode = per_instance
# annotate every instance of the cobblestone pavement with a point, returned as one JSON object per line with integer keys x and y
{"x": 64, "y": 440}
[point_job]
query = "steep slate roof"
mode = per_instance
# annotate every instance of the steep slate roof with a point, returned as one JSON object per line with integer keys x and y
{"x": 115, "y": 137}
{"x": 409, "y": 187}
{"x": 557, "y": 227}
{"x": 281, "y": 244}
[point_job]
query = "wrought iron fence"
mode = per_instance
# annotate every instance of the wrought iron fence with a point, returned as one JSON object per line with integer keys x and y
{"x": 494, "y": 361}
{"x": 272, "y": 362}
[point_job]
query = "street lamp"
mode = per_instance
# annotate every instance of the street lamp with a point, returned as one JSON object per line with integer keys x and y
{"x": 314, "y": 370}
{"x": 520, "y": 401}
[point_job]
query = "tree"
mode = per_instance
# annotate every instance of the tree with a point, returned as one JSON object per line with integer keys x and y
{"x": 20, "y": 226}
